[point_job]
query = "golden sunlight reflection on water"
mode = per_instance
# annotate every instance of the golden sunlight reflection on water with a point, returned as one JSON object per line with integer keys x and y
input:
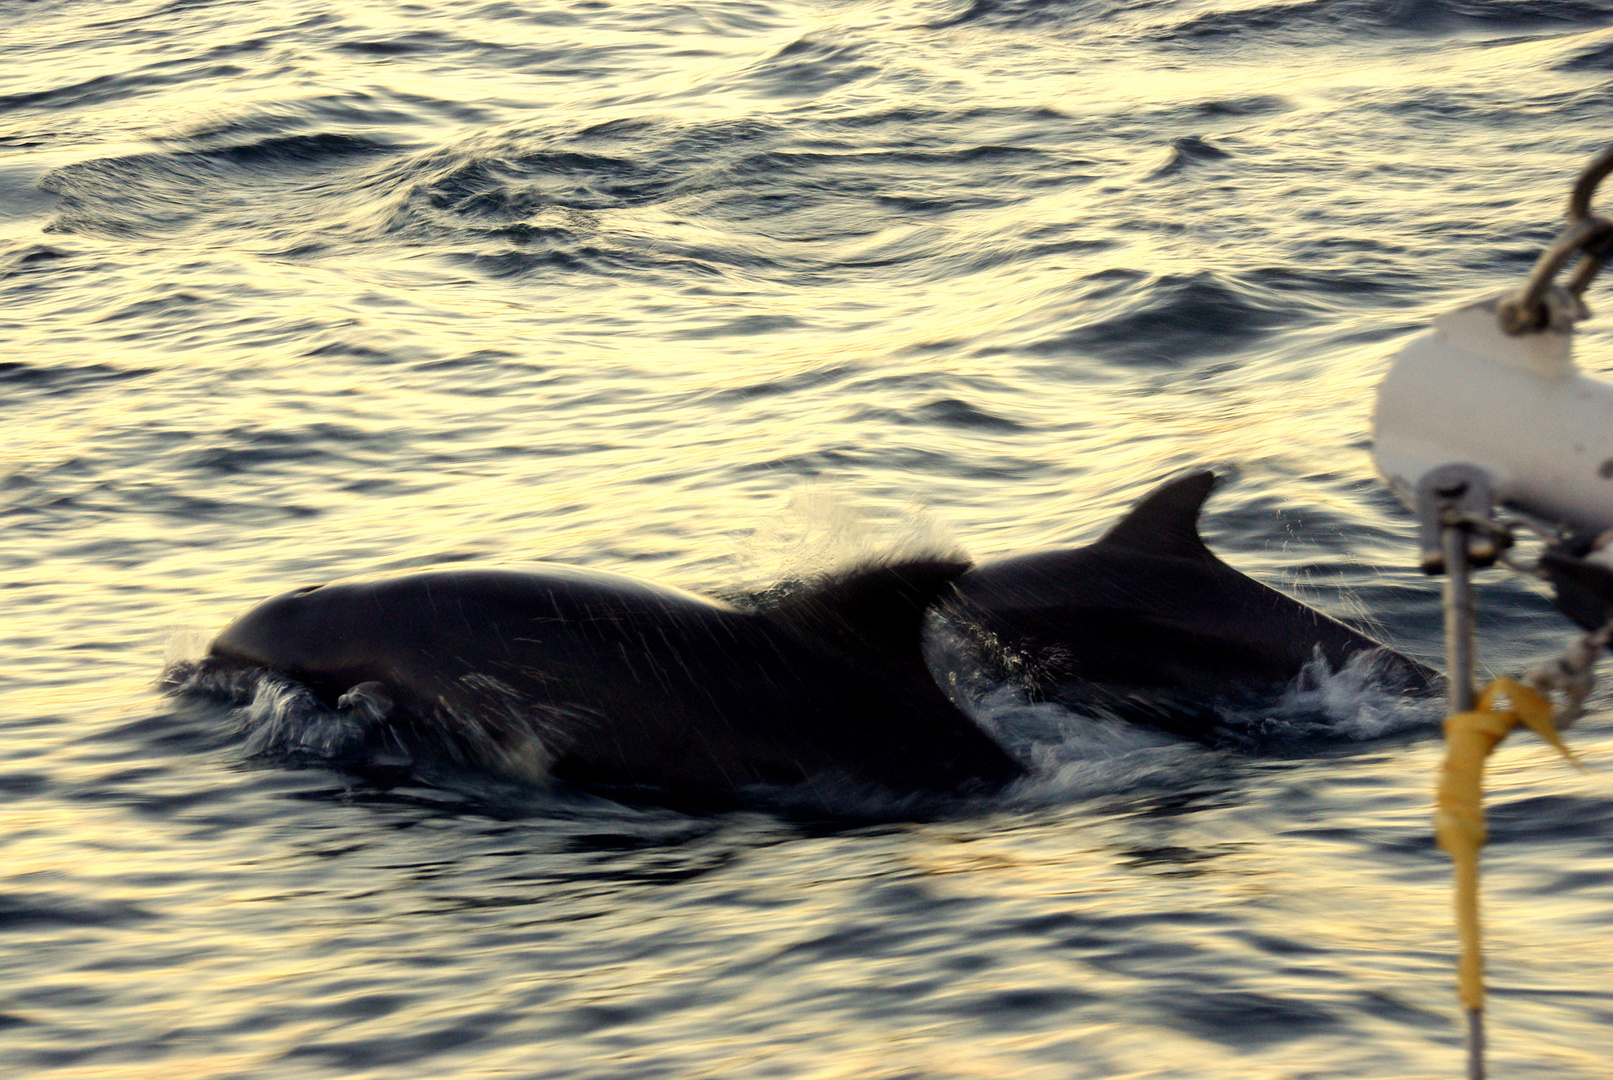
{"x": 718, "y": 295}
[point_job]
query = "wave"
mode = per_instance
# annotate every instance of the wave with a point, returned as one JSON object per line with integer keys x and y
{"x": 22, "y": 379}
{"x": 1169, "y": 319}
{"x": 1189, "y": 22}
{"x": 1391, "y": 17}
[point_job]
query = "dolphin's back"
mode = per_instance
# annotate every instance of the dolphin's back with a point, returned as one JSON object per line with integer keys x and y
{"x": 630, "y": 684}
{"x": 1148, "y": 608}
{"x": 1129, "y": 618}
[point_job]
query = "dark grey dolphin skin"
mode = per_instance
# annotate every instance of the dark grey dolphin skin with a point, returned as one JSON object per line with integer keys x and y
{"x": 1150, "y": 624}
{"x": 612, "y": 682}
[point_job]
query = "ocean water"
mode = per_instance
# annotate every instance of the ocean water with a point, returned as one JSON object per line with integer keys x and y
{"x": 722, "y": 294}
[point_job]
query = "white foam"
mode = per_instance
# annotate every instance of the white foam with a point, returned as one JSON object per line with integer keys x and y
{"x": 820, "y": 531}
{"x": 285, "y": 716}
{"x": 1078, "y": 753}
{"x": 1073, "y": 755}
{"x": 1359, "y": 701}
{"x": 185, "y": 644}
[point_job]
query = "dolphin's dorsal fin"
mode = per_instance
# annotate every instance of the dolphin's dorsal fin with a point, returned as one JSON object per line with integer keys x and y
{"x": 874, "y": 615}
{"x": 1166, "y": 522}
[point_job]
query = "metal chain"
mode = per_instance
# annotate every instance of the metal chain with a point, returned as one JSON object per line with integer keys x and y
{"x": 1573, "y": 673}
{"x": 1536, "y": 306}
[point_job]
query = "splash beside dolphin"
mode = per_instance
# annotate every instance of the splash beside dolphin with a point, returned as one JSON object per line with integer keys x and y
{"x": 616, "y": 683}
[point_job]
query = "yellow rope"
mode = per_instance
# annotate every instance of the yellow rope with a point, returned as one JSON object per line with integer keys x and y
{"x": 1459, "y": 809}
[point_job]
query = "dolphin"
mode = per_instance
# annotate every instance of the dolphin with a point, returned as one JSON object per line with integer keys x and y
{"x": 615, "y": 683}
{"x": 1149, "y": 624}
{"x": 610, "y": 682}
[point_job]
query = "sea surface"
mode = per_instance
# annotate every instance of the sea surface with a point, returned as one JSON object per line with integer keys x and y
{"x": 727, "y": 294}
